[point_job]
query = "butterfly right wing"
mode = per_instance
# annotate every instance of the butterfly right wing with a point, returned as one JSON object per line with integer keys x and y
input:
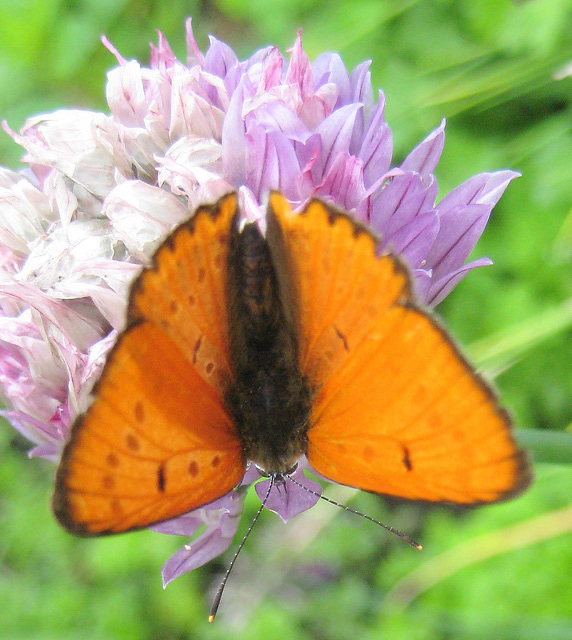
{"x": 407, "y": 416}
{"x": 184, "y": 292}
{"x": 157, "y": 440}
{"x": 155, "y": 443}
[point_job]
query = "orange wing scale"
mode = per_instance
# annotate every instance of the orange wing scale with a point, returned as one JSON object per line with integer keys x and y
{"x": 397, "y": 409}
{"x": 423, "y": 426}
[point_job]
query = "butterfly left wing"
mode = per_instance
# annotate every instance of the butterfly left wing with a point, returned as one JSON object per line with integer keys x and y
{"x": 407, "y": 416}
{"x": 397, "y": 409}
{"x": 155, "y": 443}
{"x": 330, "y": 299}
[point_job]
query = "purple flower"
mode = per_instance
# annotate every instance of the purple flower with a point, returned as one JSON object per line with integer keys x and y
{"x": 100, "y": 192}
{"x": 221, "y": 518}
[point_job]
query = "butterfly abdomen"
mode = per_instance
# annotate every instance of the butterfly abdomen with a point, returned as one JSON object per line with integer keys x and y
{"x": 269, "y": 398}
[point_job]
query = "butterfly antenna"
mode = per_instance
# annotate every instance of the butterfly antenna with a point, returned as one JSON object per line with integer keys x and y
{"x": 222, "y": 585}
{"x": 397, "y": 532}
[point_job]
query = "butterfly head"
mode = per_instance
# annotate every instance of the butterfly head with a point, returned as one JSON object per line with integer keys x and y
{"x": 277, "y": 477}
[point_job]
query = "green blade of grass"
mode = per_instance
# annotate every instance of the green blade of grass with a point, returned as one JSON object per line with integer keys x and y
{"x": 546, "y": 446}
{"x": 500, "y": 350}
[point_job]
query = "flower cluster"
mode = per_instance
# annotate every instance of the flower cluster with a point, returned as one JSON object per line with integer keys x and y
{"x": 101, "y": 191}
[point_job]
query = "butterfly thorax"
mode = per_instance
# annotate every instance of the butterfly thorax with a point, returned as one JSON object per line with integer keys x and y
{"x": 269, "y": 398}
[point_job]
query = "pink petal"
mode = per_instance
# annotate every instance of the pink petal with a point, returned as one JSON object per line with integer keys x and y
{"x": 377, "y": 144}
{"x": 484, "y": 188}
{"x": 125, "y": 94}
{"x": 299, "y": 69}
{"x": 423, "y": 159}
{"x": 113, "y": 50}
{"x": 336, "y": 135}
{"x": 51, "y": 452}
{"x": 142, "y": 214}
{"x": 194, "y": 54}
{"x": 343, "y": 183}
{"x": 361, "y": 89}
{"x": 210, "y": 544}
{"x": 191, "y": 113}
{"x": 414, "y": 240}
{"x": 442, "y": 287}
{"x": 422, "y": 284}
{"x": 328, "y": 68}
{"x": 25, "y": 215}
{"x": 362, "y": 92}
{"x": 288, "y": 499}
{"x": 271, "y": 163}
{"x": 79, "y": 330}
{"x": 234, "y": 140}
{"x": 460, "y": 228}
{"x": 402, "y": 198}
{"x": 162, "y": 56}
{"x": 220, "y": 58}
{"x": 221, "y": 517}
{"x": 75, "y": 142}
{"x": 276, "y": 116}
{"x": 319, "y": 106}
{"x": 271, "y": 71}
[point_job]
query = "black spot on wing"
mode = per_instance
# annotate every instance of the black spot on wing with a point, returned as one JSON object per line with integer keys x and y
{"x": 161, "y": 477}
{"x": 407, "y": 459}
{"x": 342, "y": 337}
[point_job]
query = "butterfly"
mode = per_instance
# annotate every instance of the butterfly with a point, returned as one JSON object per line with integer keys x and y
{"x": 242, "y": 346}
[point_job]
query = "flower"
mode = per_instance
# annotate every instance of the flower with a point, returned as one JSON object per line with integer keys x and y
{"x": 221, "y": 518}
{"x": 100, "y": 191}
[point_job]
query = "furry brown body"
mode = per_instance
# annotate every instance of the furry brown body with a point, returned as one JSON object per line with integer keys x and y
{"x": 270, "y": 399}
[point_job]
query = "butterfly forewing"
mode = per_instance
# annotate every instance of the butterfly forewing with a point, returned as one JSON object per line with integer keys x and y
{"x": 156, "y": 442}
{"x": 397, "y": 410}
{"x": 408, "y": 417}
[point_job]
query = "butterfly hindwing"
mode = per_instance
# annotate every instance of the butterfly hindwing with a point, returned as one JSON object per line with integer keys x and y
{"x": 156, "y": 441}
{"x": 184, "y": 292}
{"x": 397, "y": 409}
{"x": 321, "y": 253}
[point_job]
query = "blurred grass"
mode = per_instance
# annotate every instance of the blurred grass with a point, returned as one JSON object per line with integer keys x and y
{"x": 487, "y": 66}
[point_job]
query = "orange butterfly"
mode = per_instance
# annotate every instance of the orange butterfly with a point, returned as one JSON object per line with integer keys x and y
{"x": 240, "y": 347}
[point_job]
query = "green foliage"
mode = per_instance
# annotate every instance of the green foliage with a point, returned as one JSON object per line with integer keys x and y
{"x": 489, "y": 67}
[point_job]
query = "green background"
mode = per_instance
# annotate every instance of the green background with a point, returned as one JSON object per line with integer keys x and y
{"x": 498, "y": 572}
